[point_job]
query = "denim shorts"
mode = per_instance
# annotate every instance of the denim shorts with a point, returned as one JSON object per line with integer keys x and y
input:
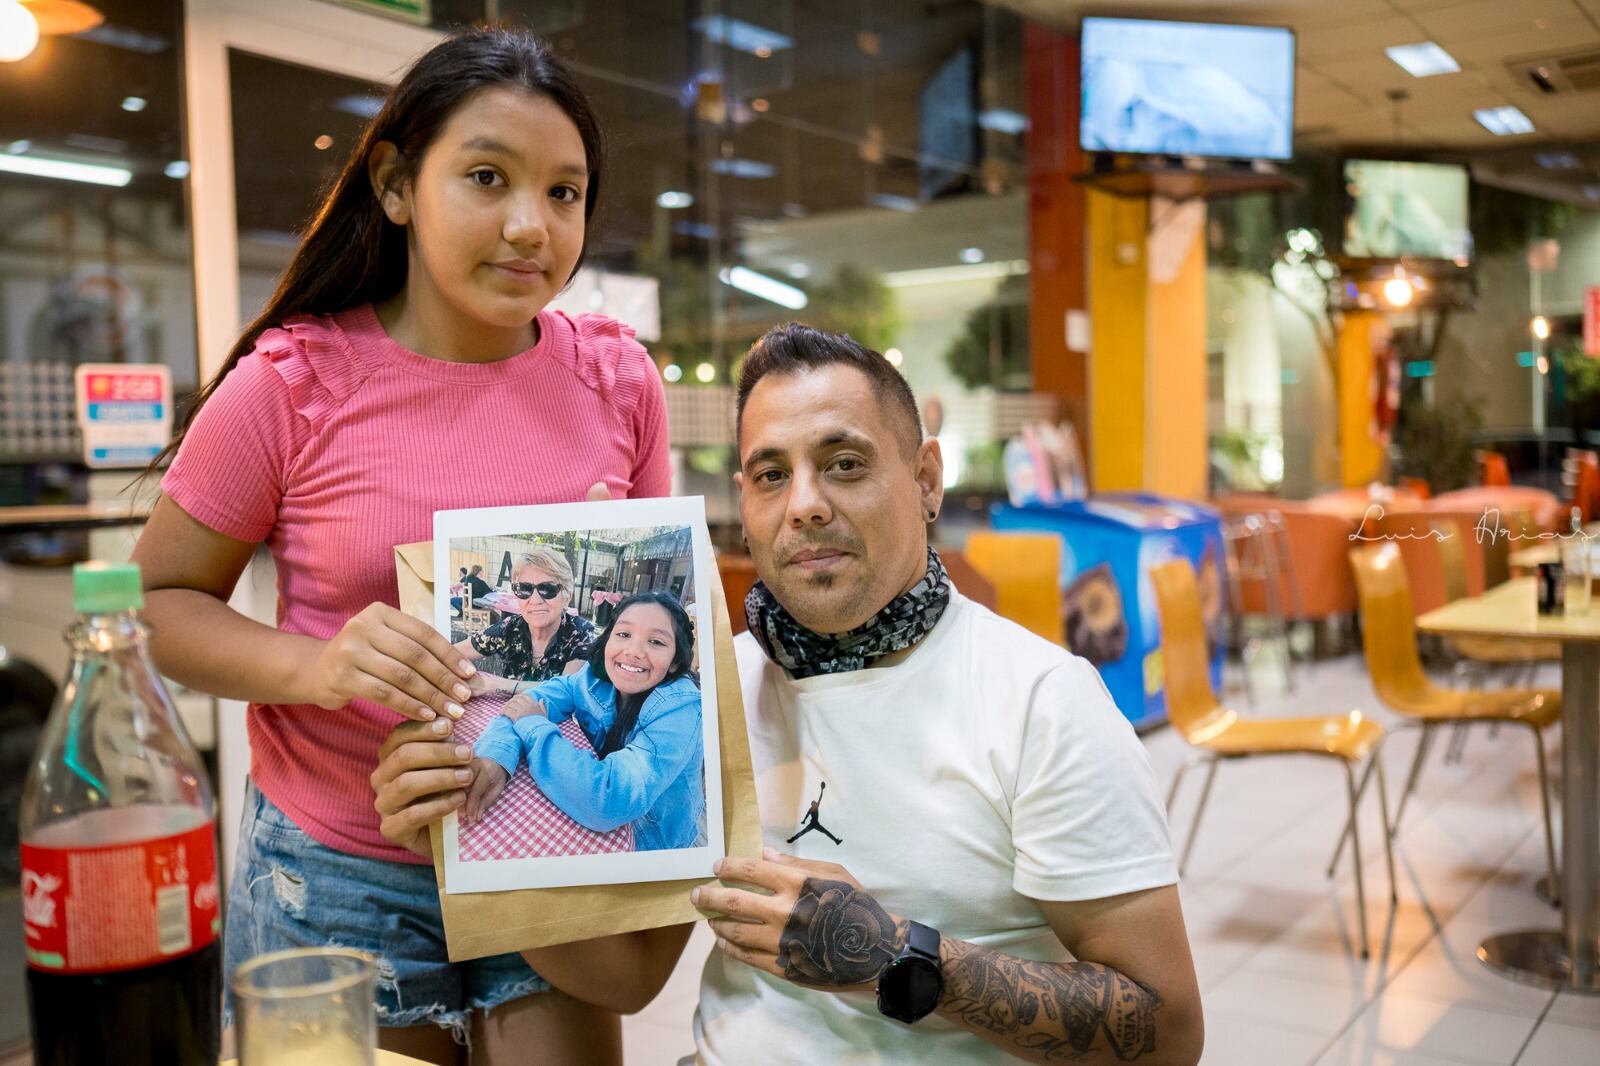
{"x": 289, "y": 891}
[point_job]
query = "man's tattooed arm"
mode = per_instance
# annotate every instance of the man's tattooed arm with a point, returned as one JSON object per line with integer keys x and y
{"x": 1048, "y": 1012}
{"x": 838, "y": 936}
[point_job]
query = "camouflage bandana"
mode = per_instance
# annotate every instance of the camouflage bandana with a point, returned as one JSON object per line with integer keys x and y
{"x": 905, "y": 620}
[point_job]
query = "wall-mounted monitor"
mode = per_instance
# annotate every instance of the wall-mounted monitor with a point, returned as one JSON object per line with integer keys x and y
{"x": 947, "y": 127}
{"x": 1187, "y": 89}
{"x": 1410, "y": 210}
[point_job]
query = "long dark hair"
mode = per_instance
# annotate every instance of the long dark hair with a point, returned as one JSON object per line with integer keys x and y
{"x": 682, "y": 656}
{"x": 351, "y": 253}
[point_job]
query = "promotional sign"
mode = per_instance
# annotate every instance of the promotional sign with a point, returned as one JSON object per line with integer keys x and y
{"x": 125, "y": 412}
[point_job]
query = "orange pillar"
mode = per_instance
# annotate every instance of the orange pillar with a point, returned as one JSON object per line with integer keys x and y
{"x": 1360, "y": 455}
{"x": 1057, "y": 284}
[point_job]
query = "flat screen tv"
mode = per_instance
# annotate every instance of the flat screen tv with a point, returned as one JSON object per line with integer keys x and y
{"x": 1412, "y": 210}
{"x": 1187, "y": 89}
{"x": 947, "y": 127}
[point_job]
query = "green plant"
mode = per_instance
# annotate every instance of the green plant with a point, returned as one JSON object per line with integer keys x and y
{"x": 992, "y": 349}
{"x": 1436, "y": 443}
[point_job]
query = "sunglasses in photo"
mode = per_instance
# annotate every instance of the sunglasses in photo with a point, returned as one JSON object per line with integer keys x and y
{"x": 547, "y": 590}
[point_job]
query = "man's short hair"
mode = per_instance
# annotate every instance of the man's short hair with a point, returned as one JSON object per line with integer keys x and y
{"x": 793, "y": 348}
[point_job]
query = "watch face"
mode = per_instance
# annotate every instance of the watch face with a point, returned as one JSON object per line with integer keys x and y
{"x": 909, "y": 988}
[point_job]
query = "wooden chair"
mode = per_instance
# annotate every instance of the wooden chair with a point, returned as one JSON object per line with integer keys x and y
{"x": 1389, "y": 638}
{"x": 1219, "y": 733}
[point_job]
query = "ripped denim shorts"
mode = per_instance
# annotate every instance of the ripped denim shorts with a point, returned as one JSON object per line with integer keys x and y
{"x": 289, "y": 891}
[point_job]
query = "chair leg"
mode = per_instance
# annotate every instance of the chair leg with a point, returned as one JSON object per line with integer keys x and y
{"x": 1458, "y": 743}
{"x": 1355, "y": 852}
{"x": 1383, "y": 811}
{"x": 1177, "y": 779}
{"x": 1338, "y": 848}
{"x": 1411, "y": 778}
{"x": 1549, "y": 832}
{"x": 1194, "y": 828}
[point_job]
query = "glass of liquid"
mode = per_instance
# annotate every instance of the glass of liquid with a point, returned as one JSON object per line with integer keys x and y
{"x": 1577, "y": 565}
{"x": 306, "y": 1007}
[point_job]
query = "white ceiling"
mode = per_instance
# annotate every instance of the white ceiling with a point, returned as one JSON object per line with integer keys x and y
{"x": 1343, "y": 76}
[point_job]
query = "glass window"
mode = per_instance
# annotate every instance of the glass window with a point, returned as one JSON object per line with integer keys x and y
{"x": 95, "y": 261}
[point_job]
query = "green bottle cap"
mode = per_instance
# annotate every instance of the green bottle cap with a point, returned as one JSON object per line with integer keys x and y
{"x": 106, "y": 588}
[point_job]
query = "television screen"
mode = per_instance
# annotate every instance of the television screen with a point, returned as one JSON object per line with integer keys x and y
{"x": 1187, "y": 88}
{"x": 947, "y": 127}
{"x": 1405, "y": 209}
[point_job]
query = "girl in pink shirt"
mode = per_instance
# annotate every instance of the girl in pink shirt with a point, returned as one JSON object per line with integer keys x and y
{"x": 406, "y": 364}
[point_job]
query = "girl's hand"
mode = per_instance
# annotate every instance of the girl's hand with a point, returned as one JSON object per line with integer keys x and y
{"x": 421, "y": 777}
{"x": 522, "y": 705}
{"x": 387, "y": 656}
{"x": 487, "y": 784}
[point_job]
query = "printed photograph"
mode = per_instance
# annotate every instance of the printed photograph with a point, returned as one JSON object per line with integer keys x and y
{"x": 593, "y": 726}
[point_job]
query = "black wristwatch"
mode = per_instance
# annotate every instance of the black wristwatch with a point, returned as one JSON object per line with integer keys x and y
{"x": 911, "y": 985}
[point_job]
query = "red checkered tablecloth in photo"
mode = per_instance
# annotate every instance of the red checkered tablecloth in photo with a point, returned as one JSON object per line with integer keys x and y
{"x": 523, "y": 823}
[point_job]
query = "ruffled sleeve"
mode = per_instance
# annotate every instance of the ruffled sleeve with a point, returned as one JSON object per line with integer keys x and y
{"x": 234, "y": 466}
{"x": 316, "y": 363}
{"x": 605, "y": 354}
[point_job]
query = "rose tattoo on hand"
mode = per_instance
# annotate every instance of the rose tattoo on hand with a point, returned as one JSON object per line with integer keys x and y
{"x": 837, "y": 935}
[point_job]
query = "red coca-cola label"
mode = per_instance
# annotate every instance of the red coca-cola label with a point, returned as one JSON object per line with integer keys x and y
{"x": 120, "y": 906}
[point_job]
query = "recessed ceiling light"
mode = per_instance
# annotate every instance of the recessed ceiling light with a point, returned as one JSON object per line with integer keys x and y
{"x": 361, "y": 105}
{"x": 178, "y": 168}
{"x": 1503, "y": 121}
{"x": 972, "y": 255}
{"x": 1002, "y": 120}
{"x": 673, "y": 199}
{"x": 1557, "y": 161}
{"x": 743, "y": 168}
{"x": 323, "y": 143}
{"x": 1423, "y": 60}
{"x": 742, "y": 36}
{"x": 133, "y": 103}
{"x": 65, "y": 170}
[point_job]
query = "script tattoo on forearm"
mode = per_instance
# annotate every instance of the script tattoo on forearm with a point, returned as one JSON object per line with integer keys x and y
{"x": 1057, "y": 1011}
{"x": 837, "y": 936}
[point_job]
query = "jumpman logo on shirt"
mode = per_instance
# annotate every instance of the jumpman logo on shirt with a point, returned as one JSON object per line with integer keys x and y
{"x": 809, "y": 822}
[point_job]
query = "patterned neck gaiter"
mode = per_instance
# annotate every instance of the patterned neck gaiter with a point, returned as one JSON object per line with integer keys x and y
{"x": 905, "y": 620}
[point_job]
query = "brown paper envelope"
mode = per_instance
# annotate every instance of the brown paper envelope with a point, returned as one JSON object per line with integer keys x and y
{"x": 491, "y": 923}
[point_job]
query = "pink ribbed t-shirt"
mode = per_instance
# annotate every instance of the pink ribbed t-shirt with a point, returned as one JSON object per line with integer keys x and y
{"x": 332, "y": 443}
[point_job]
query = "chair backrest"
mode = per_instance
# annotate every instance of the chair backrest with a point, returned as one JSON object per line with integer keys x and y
{"x": 1185, "y": 661}
{"x": 1452, "y": 558}
{"x": 1388, "y": 627}
{"x": 1492, "y": 468}
{"x": 1496, "y": 561}
{"x": 1025, "y": 570}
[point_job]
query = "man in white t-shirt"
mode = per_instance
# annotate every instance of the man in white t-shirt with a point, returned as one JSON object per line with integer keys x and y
{"x": 967, "y": 859}
{"x": 964, "y": 810}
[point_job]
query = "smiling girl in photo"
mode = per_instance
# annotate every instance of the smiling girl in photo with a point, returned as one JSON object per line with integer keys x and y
{"x": 638, "y": 702}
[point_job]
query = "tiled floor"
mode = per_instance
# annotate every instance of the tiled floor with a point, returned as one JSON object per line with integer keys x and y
{"x": 1275, "y": 941}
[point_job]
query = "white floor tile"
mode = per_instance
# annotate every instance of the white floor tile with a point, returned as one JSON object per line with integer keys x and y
{"x": 1554, "y": 1044}
{"x": 1570, "y": 1008}
{"x": 1447, "y": 1030}
{"x": 1239, "y": 1041}
{"x": 1311, "y": 1006}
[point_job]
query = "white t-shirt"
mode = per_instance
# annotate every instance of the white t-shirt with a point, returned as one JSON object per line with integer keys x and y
{"x": 987, "y": 769}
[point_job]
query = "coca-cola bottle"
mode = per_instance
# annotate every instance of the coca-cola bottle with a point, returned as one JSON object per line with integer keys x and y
{"x": 119, "y": 857}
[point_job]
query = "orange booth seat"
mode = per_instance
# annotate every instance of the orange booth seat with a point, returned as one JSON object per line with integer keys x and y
{"x": 1545, "y": 508}
{"x": 1319, "y": 546}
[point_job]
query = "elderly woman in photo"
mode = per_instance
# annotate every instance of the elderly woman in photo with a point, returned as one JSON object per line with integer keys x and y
{"x": 638, "y": 702}
{"x": 543, "y": 639}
